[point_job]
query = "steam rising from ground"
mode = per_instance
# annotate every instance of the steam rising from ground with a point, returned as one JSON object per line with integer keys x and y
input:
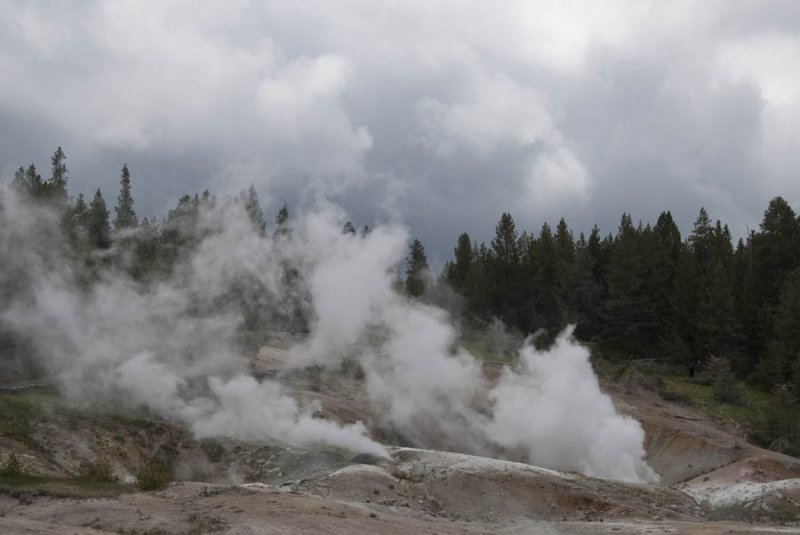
{"x": 171, "y": 346}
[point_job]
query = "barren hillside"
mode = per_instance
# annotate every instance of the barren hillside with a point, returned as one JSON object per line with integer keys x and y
{"x": 710, "y": 482}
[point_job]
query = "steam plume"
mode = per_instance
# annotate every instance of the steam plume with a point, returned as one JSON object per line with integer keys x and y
{"x": 171, "y": 346}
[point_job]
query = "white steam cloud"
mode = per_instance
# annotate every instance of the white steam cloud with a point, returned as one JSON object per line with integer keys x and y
{"x": 172, "y": 347}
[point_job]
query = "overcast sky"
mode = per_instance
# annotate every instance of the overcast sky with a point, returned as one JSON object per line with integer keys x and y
{"x": 439, "y": 115}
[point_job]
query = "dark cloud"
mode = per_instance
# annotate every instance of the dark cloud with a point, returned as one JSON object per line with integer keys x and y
{"x": 441, "y": 115}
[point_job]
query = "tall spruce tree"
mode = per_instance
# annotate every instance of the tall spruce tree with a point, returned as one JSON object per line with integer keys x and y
{"x": 418, "y": 273}
{"x": 282, "y": 221}
{"x": 57, "y": 186}
{"x": 98, "y": 228}
{"x": 504, "y": 272}
{"x": 589, "y": 286}
{"x": 252, "y": 208}
{"x": 125, "y": 217}
{"x": 459, "y": 272}
{"x": 80, "y": 212}
{"x": 630, "y": 313}
{"x": 775, "y": 252}
{"x": 783, "y": 357}
{"x": 549, "y": 310}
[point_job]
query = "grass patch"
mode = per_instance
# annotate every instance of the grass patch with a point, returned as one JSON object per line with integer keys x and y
{"x": 484, "y": 351}
{"x": 19, "y": 410}
{"x": 755, "y": 413}
{"x": 698, "y": 392}
{"x": 62, "y": 487}
{"x": 100, "y": 472}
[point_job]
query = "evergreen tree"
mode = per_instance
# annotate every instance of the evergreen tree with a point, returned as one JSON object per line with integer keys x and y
{"x": 631, "y": 313}
{"x": 418, "y": 274}
{"x": 504, "y": 273}
{"x": 459, "y": 273}
{"x": 125, "y": 217}
{"x": 701, "y": 238}
{"x": 38, "y": 187}
{"x": 781, "y": 362}
{"x": 282, "y": 221}
{"x": 669, "y": 235}
{"x": 348, "y": 228}
{"x": 80, "y": 212}
{"x": 714, "y": 320}
{"x": 775, "y": 251}
{"x": 147, "y": 256}
{"x": 57, "y": 185}
{"x": 589, "y": 286}
{"x": 504, "y": 244}
{"x": 252, "y": 207}
{"x": 20, "y": 183}
{"x": 549, "y": 310}
{"x": 99, "y": 228}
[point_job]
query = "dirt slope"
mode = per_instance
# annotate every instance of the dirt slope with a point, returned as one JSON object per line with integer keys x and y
{"x": 707, "y": 473}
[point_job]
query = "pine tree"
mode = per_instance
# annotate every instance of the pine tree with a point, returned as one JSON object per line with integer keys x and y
{"x": 504, "y": 244}
{"x": 57, "y": 186}
{"x": 632, "y": 315}
{"x": 252, "y": 208}
{"x": 125, "y": 217}
{"x": 459, "y": 273}
{"x": 348, "y": 228}
{"x": 714, "y": 320}
{"x": 282, "y": 221}
{"x": 669, "y": 235}
{"x": 589, "y": 286}
{"x": 784, "y": 344}
{"x": 29, "y": 182}
{"x": 701, "y": 238}
{"x": 504, "y": 273}
{"x": 565, "y": 256}
{"x": 80, "y": 212}
{"x": 20, "y": 183}
{"x": 775, "y": 252}
{"x": 99, "y": 228}
{"x": 418, "y": 274}
{"x": 548, "y": 278}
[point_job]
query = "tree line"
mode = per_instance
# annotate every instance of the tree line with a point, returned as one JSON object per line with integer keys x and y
{"x": 644, "y": 291}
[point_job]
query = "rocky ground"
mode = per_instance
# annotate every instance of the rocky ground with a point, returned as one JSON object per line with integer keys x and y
{"x": 712, "y": 481}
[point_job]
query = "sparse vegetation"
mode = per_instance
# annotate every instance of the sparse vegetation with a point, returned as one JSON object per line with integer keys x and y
{"x": 16, "y": 414}
{"x": 99, "y": 471}
{"x": 12, "y": 466}
{"x": 154, "y": 476}
{"x": 777, "y": 512}
{"x": 62, "y": 487}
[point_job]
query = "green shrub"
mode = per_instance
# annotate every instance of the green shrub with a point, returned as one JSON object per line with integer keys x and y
{"x": 154, "y": 476}
{"x": 13, "y": 466}
{"x": 99, "y": 471}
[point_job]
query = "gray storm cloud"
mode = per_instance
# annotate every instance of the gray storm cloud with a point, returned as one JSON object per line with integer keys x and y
{"x": 441, "y": 116}
{"x": 171, "y": 346}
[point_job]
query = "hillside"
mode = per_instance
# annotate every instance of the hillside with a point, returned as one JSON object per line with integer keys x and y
{"x": 711, "y": 481}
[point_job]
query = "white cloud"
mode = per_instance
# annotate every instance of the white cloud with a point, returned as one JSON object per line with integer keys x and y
{"x": 301, "y": 106}
{"x": 495, "y": 114}
{"x": 766, "y": 60}
{"x": 557, "y": 176}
